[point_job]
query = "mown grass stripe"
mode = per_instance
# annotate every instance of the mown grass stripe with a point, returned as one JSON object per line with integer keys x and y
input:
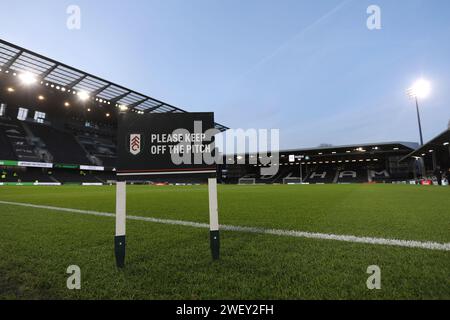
{"x": 278, "y": 232}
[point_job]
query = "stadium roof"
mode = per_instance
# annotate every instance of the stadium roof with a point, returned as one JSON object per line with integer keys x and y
{"x": 441, "y": 141}
{"x": 409, "y": 145}
{"x": 16, "y": 59}
{"x": 342, "y": 149}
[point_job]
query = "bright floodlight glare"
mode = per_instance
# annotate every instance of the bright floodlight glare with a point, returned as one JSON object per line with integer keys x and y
{"x": 27, "y": 78}
{"x": 421, "y": 88}
{"x": 123, "y": 108}
{"x": 83, "y": 95}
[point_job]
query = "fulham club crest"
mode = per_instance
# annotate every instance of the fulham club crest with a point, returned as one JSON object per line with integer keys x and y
{"x": 135, "y": 144}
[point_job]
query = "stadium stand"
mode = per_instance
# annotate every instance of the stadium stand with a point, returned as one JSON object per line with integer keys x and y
{"x": 17, "y": 144}
{"x": 25, "y": 175}
{"x": 378, "y": 174}
{"x": 282, "y": 173}
{"x": 101, "y": 148}
{"x": 98, "y": 140}
{"x": 321, "y": 174}
{"x": 47, "y": 125}
{"x": 352, "y": 175}
{"x": 62, "y": 145}
{"x": 6, "y": 151}
{"x": 74, "y": 176}
{"x": 434, "y": 156}
{"x": 61, "y": 118}
{"x": 105, "y": 176}
{"x": 374, "y": 163}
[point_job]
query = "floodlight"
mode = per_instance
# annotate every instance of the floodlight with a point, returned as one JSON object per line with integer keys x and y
{"x": 83, "y": 95}
{"x": 27, "y": 78}
{"x": 123, "y": 108}
{"x": 420, "y": 89}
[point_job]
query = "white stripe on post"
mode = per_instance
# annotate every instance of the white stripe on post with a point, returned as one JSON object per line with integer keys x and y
{"x": 213, "y": 212}
{"x": 121, "y": 207}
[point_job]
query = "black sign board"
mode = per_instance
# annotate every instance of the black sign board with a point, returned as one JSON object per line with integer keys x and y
{"x": 165, "y": 144}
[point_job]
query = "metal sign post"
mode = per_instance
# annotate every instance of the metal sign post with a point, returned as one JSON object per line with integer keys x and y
{"x": 213, "y": 218}
{"x": 121, "y": 212}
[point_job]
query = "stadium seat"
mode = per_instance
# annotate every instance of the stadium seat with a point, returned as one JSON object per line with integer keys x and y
{"x": 61, "y": 144}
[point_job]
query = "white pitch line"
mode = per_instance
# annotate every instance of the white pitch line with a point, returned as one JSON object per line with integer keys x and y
{"x": 277, "y": 232}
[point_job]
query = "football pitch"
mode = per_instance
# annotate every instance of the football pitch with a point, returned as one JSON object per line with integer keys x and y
{"x": 278, "y": 242}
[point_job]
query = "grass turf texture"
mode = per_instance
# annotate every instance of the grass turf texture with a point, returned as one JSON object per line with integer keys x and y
{"x": 170, "y": 262}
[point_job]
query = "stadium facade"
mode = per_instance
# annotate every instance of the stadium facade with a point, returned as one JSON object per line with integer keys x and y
{"x": 58, "y": 125}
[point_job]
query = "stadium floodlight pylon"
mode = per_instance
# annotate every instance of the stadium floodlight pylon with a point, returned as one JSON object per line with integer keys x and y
{"x": 420, "y": 89}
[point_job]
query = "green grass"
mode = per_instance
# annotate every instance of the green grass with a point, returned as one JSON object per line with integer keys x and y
{"x": 170, "y": 262}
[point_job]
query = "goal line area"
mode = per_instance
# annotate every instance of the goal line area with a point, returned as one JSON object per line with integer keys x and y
{"x": 292, "y": 180}
{"x": 244, "y": 181}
